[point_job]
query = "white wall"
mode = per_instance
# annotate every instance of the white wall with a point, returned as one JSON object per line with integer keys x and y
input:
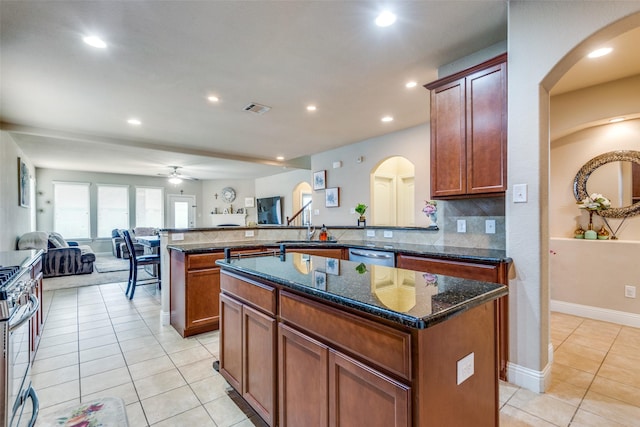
{"x": 15, "y": 220}
{"x": 212, "y": 188}
{"x": 541, "y": 35}
{"x": 44, "y": 197}
{"x": 353, "y": 178}
{"x": 282, "y": 184}
{"x": 568, "y": 155}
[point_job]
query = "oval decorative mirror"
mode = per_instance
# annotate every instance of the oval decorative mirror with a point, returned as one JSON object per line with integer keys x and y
{"x": 629, "y": 178}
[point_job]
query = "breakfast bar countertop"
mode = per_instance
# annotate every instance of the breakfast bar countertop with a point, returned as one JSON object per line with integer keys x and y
{"x": 413, "y": 299}
{"x": 436, "y": 251}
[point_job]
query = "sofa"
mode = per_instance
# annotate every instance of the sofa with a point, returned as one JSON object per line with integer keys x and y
{"x": 61, "y": 258}
{"x": 119, "y": 248}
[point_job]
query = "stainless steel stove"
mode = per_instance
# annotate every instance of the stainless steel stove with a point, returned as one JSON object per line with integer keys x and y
{"x": 18, "y": 305}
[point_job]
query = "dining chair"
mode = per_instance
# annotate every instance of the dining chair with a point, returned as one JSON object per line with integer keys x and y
{"x": 136, "y": 261}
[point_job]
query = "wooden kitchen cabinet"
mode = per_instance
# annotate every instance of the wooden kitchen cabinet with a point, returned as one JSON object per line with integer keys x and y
{"x": 469, "y": 132}
{"x": 323, "y": 387}
{"x": 37, "y": 321}
{"x": 195, "y": 291}
{"x": 495, "y": 273}
{"x": 338, "y": 253}
{"x": 248, "y": 349}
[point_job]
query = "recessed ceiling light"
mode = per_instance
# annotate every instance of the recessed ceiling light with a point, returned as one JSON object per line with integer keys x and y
{"x": 94, "y": 42}
{"x": 213, "y": 98}
{"x": 409, "y": 85}
{"x": 387, "y": 119}
{"x": 311, "y": 108}
{"x": 616, "y": 120}
{"x": 280, "y": 158}
{"x": 385, "y": 19}
{"x": 600, "y": 52}
{"x": 134, "y": 122}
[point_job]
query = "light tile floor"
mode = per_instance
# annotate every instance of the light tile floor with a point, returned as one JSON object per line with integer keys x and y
{"x": 98, "y": 343}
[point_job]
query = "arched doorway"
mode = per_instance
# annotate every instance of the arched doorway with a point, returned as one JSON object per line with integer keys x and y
{"x": 393, "y": 193}
{"x": 301, "y": 197}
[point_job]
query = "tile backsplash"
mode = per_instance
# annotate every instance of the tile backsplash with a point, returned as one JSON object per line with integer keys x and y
{"x": 475, "y": 212}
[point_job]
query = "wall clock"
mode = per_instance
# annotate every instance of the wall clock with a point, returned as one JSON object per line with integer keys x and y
{"x": 228, "y": 194}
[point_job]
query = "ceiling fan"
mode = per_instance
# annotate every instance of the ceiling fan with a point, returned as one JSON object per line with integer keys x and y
{"x": 177, "y": 178}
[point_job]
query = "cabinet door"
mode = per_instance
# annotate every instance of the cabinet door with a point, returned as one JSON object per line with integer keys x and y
{"x": 303, "y": 380}
{"x": 202, "y": 297}
{"x": 361, "y": 396}
{"x": 487, "y": 130}
{"x": 448, "y": 133}
{"x": 259, "y": 373}
{"x": 231, "y": 341}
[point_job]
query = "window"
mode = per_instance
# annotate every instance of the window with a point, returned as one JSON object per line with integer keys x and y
{"x": 71, "y": 210}
{"x": 149, "y": 207}
{"x": 113, "y": 208}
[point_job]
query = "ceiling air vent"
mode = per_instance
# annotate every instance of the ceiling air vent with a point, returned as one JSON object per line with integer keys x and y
{"x": 256, "y": 108}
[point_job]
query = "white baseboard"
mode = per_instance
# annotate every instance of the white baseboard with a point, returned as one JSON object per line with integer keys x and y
{"x": 533, "y": 380}
{"x": 165, "y": 318}
{"x": 596, "y": 313}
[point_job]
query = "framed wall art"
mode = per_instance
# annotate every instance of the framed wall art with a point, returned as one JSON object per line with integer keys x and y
{"x": 24, "y": 187}
{"x": 332, "y": 197}
{"x": 320, "y": 180}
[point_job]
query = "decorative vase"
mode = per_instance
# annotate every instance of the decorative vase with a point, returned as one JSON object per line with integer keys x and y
{"x": 579, "y": 233}
{"x": 603, "y": 234}
{"x": 590, "y": 234}
{"x": 433, "y": 217}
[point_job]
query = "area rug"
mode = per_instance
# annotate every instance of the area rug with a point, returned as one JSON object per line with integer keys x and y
{"x": 108, "y": 264}
{"x": 95, "y": 278}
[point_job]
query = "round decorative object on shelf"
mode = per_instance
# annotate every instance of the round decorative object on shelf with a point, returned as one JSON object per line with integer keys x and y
{"x": 228, "y": 194}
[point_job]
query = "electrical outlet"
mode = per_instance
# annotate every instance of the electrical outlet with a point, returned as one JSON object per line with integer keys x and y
{"x": 388, "y": 233}
{"x": 462, "y": 226}
{"x": 490, "y": 226}
{"x": 371, "y": 233}
{"x": 465, "y": 368}
{"x": 177, "y": 236}
{"x": 248, "y": 233}
{"x": 630, "y": 291}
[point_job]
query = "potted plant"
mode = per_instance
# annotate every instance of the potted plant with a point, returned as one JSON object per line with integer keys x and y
{"x": 361, "y": 208}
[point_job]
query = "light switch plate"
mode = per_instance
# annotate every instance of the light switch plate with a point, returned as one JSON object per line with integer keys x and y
{"x": 388, "y": 233}
{"x": 490, "y": 226}
{"x": 465, "y": 368}
{"x": 371, "y": 233}
{"x": 520, "y": 193}
{"x": 177, "y": 236}
{"x": 462, "y": 226}
{"x": 316, "y": 211}
{"x": 248, "y": 233}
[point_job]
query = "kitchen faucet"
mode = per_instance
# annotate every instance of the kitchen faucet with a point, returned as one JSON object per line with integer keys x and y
{"x": 310, "y": 231}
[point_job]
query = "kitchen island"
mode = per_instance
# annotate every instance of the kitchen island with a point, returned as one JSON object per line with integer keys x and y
{"x": 308, "y": 340}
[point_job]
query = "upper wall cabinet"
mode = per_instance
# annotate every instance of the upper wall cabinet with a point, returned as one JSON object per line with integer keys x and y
{"x": 469, "y": 132}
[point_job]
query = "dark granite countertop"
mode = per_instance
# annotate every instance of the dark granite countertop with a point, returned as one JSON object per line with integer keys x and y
{"x": 22, "y": 258}
{"x": 410, "y": 298}
{"x": 435, "y": 251}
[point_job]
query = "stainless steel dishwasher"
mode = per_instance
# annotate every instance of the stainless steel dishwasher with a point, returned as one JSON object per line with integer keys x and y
{"x": 373, "y": 256}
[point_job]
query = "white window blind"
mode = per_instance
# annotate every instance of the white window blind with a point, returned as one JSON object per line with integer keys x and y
{"x": 149, "y": 207}
{"x": 71, "y": 210}
{"x": 113, "y": 208}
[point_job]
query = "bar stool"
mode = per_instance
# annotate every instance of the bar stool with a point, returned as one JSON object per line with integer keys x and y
{"x": 136, "y": 261}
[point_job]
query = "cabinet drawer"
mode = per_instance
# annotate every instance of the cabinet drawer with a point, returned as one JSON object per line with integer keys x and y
{"x": 200, "y": 261}
{"x": 253, "y": 293}
{"x": 466, "y": 270}
{"x": 378, "y": 344}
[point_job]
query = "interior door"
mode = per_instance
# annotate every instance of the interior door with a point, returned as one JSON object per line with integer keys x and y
{"x": 182, "y": 211}
{"x": 406, "y": 203}
{"x": 384, "y": 200}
